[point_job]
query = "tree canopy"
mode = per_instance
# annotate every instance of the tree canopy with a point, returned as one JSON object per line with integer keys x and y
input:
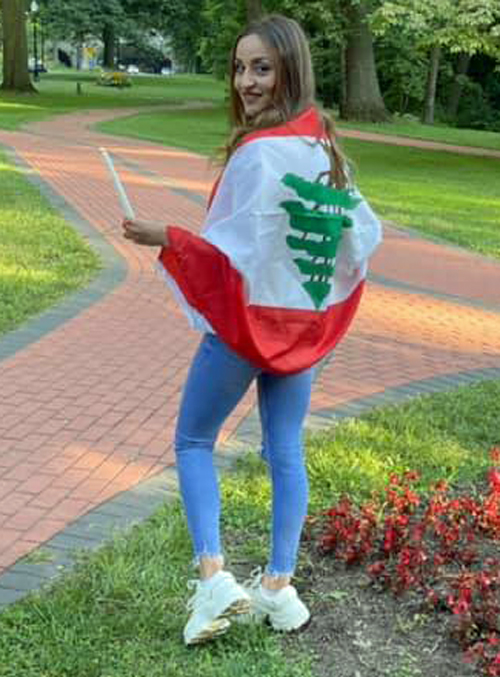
{"x": 457, "y": 26}
{"x": 370, "y": 56}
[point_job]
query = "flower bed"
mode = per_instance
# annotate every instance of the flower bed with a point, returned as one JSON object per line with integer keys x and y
{"x": 442, "y": 547}
{"x": 114, "y": 79}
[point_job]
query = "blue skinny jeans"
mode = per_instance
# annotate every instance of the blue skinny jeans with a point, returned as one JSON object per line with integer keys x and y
{"x": 217, "y": 380}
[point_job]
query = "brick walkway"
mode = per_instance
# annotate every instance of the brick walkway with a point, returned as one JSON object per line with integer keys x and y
{"x": 90, "y": 389}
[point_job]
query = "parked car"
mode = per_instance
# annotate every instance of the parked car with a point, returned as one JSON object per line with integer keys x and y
{"x": 40, "y": 67}
{"x": 133, "y": 69}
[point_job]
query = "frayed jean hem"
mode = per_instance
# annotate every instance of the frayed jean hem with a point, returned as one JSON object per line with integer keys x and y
{"x": 273, "y": 573}
{"x": 208, "y": 555}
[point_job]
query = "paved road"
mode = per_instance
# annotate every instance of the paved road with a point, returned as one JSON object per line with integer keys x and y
{"x": 89, "y": 390}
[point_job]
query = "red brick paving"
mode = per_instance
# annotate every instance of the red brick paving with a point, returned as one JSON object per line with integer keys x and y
{"x": 430, "y": 145}
{"x": 88, "y": 410}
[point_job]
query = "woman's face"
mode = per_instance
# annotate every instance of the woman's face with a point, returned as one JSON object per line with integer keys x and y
{"x": 254, "y": 75}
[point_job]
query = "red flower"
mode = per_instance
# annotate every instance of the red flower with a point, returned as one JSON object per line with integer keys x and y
{"x": 495, "y": 454}
{"x": 376, "y": 569}
{"x": 441, "y": 486}
{"x": 494, "y": 479}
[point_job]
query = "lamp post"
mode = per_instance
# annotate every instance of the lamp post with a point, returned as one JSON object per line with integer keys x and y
{"x": 34, "y": 11}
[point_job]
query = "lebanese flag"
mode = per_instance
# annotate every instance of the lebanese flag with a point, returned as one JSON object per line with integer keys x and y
{"x": 278, "y": 270}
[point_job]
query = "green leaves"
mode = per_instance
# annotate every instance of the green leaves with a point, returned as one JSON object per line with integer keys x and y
{"x": 83, "y": 18}
{"x": 460, "y": 25}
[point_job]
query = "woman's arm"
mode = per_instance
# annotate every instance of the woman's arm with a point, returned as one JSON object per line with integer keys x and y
{"x": 150, "y": 233}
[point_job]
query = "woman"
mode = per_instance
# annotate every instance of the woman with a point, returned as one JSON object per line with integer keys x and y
{"x": 273, "y": 282}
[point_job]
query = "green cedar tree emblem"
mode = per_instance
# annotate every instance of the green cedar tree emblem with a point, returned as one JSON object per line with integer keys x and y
{"x": 326, "y": 221}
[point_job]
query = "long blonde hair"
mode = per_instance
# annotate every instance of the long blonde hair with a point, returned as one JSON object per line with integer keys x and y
{"x": 294, "y": 91}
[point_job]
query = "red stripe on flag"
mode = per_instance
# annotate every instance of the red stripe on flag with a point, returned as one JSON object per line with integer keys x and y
{"x": 309, "y": 123}
{"x": 280, "y": 340}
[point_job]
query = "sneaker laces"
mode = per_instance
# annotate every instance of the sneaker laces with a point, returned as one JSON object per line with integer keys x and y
{"x": 255, "y": 578}
{"x": 197, "y": 596}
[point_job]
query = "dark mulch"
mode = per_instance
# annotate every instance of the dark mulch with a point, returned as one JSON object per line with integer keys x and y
{"x": 357, "y": 631}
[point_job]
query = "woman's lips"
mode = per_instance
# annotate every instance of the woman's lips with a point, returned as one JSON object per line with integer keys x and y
{"x": 250, "y": 98}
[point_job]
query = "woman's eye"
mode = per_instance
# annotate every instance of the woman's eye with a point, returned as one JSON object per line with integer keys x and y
{"x": 259, "y": 69}
{"x": 262, "y": 70}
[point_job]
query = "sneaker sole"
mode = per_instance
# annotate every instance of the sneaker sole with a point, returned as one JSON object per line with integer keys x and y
{"x": 237, "y": 608}
{"x": 221, "y": 624}
{"x": 217, "y": 628}
{"x": 299, "y": 625}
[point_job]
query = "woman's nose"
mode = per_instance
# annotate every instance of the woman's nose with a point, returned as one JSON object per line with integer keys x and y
{"x": 247, "y": 78}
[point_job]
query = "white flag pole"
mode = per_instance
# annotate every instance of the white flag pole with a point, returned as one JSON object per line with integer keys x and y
{"x": 122, "y": 195}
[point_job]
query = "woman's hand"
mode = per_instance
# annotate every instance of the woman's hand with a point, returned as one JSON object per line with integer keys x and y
{"x": 150, "y": 233}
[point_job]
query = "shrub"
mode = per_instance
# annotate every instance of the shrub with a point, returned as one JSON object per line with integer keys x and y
{"x": 476, "y": 111}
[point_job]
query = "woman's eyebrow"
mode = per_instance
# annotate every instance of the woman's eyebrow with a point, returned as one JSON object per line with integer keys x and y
{"x": 256, "y": 60}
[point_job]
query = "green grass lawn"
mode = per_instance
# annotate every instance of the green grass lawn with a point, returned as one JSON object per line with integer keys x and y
{"x": 41, "y": 257}
{"x": 450, "y": 196}
{"x": 202, "y": 131}
{"x": 58, "y": 94}
{"x": 122, "y": 613}
{"x": 443, "y": 194}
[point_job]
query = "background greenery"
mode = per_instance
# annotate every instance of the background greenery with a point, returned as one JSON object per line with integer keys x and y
{"x": 58, "y": 94}
{"x": 457, "y": 40}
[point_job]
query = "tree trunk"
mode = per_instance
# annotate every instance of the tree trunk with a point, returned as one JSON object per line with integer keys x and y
{"x": 343, "y": 83}
{"x": 430, "y": 89}
{"x": 254, "y": 10}
{"x": 325, "y": 83}
{"x": 458, "y": 84}
{"x": 109, "y": 39}
{"x": 79, "y": 54}
{"x": 16, "y": 76}
{"x": 363, "y": 98}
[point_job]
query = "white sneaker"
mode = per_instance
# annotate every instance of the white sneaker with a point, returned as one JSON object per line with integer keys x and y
{"x": 284, "y": 608}
{"x": 213, "y": 603}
